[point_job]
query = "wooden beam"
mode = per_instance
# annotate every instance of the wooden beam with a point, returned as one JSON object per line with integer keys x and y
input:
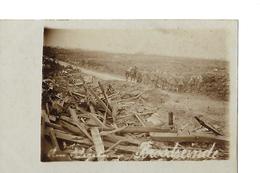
{"x": 115, "y": 138}
{"x": 114, "y": 112}
{"x": 207, "y": 126}
{"x": 144, "y": 130}
{"x": 104, "y": 94}
{"x": 69, "y": 137}
{"x": 127, "y": 149}
{"x": 94, "y": 118}
{"x": 98, "y": 99}
{"x": 71, "y": 128}
{"x": 52, "y": 132}
{"x": 173, "y": 137}
{"x": 79, "y": 125}
{"x": 140, "y": 120}
{"x": 98, "y": 143}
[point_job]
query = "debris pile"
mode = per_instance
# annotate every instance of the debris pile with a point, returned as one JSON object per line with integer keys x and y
{"x": 90, "y": 120}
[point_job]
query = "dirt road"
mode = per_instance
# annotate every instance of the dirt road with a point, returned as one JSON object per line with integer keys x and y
{"x": 103, "y": 76}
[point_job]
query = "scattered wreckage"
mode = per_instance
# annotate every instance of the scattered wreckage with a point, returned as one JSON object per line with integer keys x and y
{"x": 87, "y": 119}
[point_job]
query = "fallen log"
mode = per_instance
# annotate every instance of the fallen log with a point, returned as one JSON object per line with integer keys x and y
{"x": 173, "y": 137}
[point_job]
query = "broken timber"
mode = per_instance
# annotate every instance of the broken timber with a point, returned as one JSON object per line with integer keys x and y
{"x": 98, "y": 99}
{"x": 51, "y": 132}
{"x": 172, "y": 137}
{"x": 68, "y": 137}
{"x": 207, "y": 126}
{"x": 79, "y": 125}
{"x": 98, "y": 143}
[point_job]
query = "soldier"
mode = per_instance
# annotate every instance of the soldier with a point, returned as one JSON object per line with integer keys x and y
{"x": 199, "y": 82}
{"x": 139, "y": 76}
{"x": 192, "y": 83}
{"x": 180, "y": 85}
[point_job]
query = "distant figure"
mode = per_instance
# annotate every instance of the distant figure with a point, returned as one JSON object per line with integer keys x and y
{"x": 110, "y": 90}
{"x": 128, "y": 73}
{"x": 199, "y": 82}
{"x": 180, "y": 85}
{"x": 192, "y": 83}
{"x": 131, "y": 73}
{"x": 139, "y": 77}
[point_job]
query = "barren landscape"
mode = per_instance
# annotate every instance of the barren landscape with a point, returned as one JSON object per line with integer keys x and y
{"x": 78, "y": 85}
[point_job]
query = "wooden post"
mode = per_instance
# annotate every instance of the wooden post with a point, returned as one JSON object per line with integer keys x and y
{"x": 170, "y": 119}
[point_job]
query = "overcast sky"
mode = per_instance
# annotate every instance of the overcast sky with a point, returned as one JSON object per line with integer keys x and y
{"x": 196, "y": 43}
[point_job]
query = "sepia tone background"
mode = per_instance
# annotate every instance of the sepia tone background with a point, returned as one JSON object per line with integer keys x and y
{"x": 28, "y": 70}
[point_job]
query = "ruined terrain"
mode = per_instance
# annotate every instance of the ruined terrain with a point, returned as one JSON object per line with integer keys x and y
{"x": 91, "y": 112}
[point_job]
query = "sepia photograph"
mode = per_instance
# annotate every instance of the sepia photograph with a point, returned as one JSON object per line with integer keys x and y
{"x": 160, "y": 93}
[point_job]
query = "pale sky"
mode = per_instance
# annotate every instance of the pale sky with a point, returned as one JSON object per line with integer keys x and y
{"x": 195, "y": 43}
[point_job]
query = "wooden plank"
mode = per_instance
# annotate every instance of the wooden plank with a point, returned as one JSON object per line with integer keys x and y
{"x": 55, "y": 126}
{"x": 79, "y": 125}
{"x": 139, "y": 119}
{"x": 113, "y": 146}
{"x": 69, "y": 137}
{"x": 173, "y": 137}
{"x": 115, "y": 138}
{"x": 103, "y": 133}
{"x": 207, "y": 126}
{"x": 98, "y": 99}
{"x": 92, "y": 109}
{"x": 53, "y": 139}
{"x": 144, "y": 130}
{"x": 98, "y": 143}
{"x": 127, "y": 149}
{"x": 94, "y": 118}
{"x": 71, "y": 128}
{"x": 114, "y": 113}
{"x": 52, "y": 132}
{"x": 104, "y": 94}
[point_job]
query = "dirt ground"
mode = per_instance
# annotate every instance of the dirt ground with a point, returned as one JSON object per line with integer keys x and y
{"x": 154, "y": 104}
{"x": 184, "y": 105}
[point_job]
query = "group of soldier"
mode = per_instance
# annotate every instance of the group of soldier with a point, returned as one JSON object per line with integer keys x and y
{"x": 165, "y": 80}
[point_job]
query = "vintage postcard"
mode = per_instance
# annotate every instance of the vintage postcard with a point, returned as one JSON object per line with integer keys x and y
{"x": 119, "y": 95}
{"x": 130, "y": 92}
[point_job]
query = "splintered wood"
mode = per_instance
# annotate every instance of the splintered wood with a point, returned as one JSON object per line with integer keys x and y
{"x": 80, "y": 125}
{"x": 98, "y": 143}
{"x": 99, "y": 122}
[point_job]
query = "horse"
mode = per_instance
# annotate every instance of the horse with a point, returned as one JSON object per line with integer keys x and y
{"x": 139, "y": 77}
{"x": 131, "y": 72}
{"x": 128, "y": 73}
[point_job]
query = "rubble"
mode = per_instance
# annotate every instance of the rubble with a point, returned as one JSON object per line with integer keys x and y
{"x": 91, "y": 120}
